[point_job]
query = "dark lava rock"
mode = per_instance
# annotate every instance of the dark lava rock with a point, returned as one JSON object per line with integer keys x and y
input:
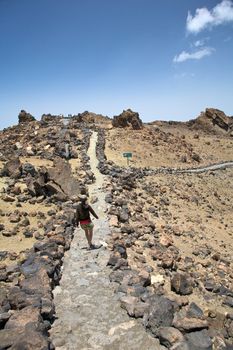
{"x": 161, "y": 313}
{"x": 182, "y": 284}
{"x": 108, "y": 198}
{"x": 4, "y": 317}
{"x": 28, "y": 234}
{"x": 12, "y": 168}
{"x": 121, "y": 250}
{"x": 25, "y": 117}
{"x": 123, "y": 216}
{"x": 199, "y": 340}
{"x": 127, "y": 118}
{"x": 28, "y": 168}
{"x": 194, "y": 311}
{"x": 3, "y": 254}
{"x": 61, "y": 175}
{"x": 196, "y": 157}
{"x": 228, "y": 301}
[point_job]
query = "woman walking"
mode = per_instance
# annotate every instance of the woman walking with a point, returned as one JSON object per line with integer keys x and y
{"x": 83, "y": 217}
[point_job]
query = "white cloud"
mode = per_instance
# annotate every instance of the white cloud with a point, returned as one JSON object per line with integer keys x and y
{"x": 199, "y": 43}
{"x": 203, "y": 18}
{"x": 184, "y": 55}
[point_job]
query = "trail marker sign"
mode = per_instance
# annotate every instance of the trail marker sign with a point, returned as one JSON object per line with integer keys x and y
{"x": 127, "y": 155}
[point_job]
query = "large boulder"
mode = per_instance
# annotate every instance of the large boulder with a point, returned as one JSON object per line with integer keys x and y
{"x": 61, "y": 175}
{"x": 213, "y": 120}
{"x": 218, "y": 118}
{"x": 161, "y": 313}
{"x": 127, "y": 118}
{"x": 25, "y": 117}
{"x": 57, "y": 181}
{"x": 12, "y": 168}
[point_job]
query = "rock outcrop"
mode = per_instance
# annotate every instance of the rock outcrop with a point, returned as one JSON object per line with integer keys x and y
{"x": 213, "y": 120}
{"x": 25, "y": 117}
{"x": 61, "y": 175}
{"x": 127, "y": 118}
{"x": 49, "y": 118}
{"x": 90, "y": 119}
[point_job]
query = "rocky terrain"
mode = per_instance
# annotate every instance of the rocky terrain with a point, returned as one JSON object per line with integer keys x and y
{"x": 174, "y": 144}
{"x": 171, "y": 233}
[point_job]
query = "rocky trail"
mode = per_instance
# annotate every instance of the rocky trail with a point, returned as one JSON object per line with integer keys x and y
{"x": 88, "y": 312}
{"x": 211, "y": 167}
{"x": 162, "y": 278}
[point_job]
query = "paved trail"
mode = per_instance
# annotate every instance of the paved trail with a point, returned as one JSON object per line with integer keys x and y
{"x": 88, "y": 312}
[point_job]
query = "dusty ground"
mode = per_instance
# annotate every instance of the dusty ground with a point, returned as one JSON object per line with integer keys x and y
{"x": 18, "y": 242}
{"x": 34, "y": 212}
{"x": 164, "y": 145}
{"x": 195, "y": 212}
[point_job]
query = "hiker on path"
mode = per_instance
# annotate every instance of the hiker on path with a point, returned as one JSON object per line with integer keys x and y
{"x": 83, "y": 217}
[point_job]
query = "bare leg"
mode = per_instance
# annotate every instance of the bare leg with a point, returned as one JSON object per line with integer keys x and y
{"x": 91, "y": 234}
{"x": 88, "y": 237}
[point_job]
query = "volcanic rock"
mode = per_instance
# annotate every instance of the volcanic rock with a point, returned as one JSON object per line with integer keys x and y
{"x": 199, "y": 340}
{"x": 213, "y": 120}
{"x": 25, "y": 117}
{"x": 182, "y": 284}
{"x": 61, "y": 175}
{"x": 22, "y": 317}
{"x": 28, "y": 168}
{"x": 168, "y": 336}
{"x": 48, "y": 118}
{"x": 133, "y": 306}
{"x": 12, "y": 168}
{"x": 160, "y": 314}
{"x": 127, "y": 118}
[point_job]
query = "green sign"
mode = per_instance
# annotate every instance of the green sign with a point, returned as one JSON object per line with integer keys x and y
{"x": 127, "y": 155}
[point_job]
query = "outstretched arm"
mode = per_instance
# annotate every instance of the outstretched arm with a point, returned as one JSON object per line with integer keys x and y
{"x": 93, "y": 212}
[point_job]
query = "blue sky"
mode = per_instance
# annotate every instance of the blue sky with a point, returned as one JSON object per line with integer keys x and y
{"x": 166, "y": 59}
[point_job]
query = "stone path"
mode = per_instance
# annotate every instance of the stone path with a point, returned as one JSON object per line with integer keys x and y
{"x": 88, "y": 312}
{"x": 213, "y": 167}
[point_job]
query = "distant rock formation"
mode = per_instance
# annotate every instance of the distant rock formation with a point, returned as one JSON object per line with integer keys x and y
{"x": 48, "y": 118}
{"x": 25, "y": 117}
{"x": 90, "y": 117}
{"x": 213, "y": 120}
{"x": 127, "y": 118}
